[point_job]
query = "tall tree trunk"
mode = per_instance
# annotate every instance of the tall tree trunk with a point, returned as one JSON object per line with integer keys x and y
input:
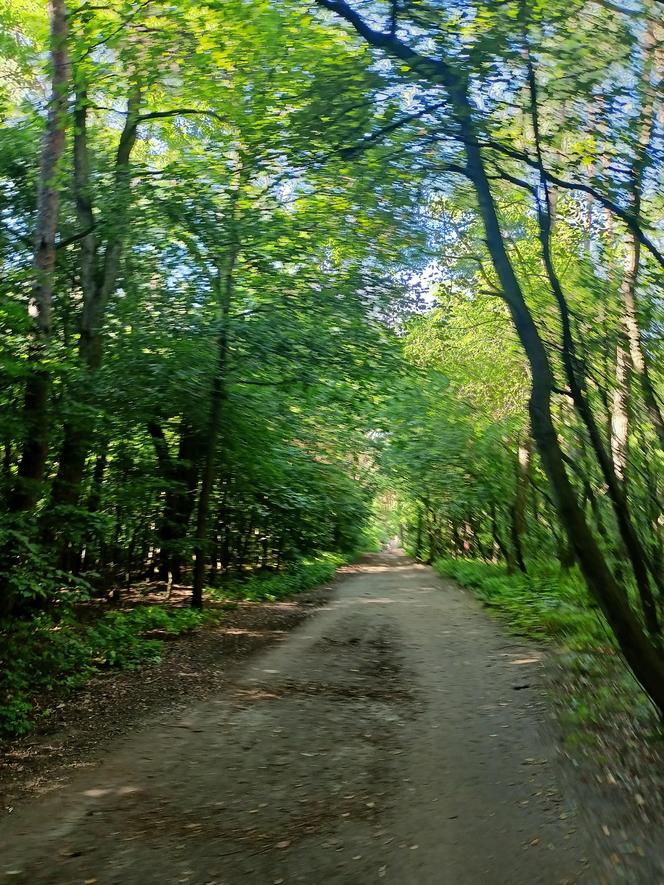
{"x": 34, "y": 452}
{"x": 498, "y": 541}
{"x": 650, "y": 49}
{"x": 94, "y": 505}
{"x": 27, "y": 486}
{"x": 99, "y": 276}
{"x": 620, "y": 415}
{"x": 179, "y": 503}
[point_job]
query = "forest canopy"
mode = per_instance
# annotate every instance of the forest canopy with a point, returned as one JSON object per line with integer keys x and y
{"x": 271, "y": 268}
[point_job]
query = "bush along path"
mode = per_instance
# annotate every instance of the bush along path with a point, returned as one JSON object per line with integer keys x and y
{"x": 608, "y": 726}
{"x": 85, "y": 673}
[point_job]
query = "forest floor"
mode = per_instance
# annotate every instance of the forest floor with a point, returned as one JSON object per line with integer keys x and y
{"x": 398, "y": 736}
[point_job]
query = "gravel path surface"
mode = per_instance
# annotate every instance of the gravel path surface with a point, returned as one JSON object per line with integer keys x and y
{"x": 397, "y": 736}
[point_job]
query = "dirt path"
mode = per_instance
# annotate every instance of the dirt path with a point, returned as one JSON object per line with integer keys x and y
{"x": 397, "y": 736}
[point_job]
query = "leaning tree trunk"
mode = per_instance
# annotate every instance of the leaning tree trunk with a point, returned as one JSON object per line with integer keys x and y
{"x": 574, "y": 373}
{"x": 638, "y": 557}
{"x": 642, "y": 655}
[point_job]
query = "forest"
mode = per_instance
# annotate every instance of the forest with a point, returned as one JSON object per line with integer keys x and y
{"x": 283, "y": 279}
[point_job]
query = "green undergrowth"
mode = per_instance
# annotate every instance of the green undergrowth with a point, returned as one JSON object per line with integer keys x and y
{"x": 61, "y": 652}
{"x": 52, "y": 654}
{"x": 269, "y": 587}
{"x": 599, "y": 690}
{"x": 543, "y": 604}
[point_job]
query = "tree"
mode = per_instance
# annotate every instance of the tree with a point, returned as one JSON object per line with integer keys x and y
{"x": 470, "y": 126}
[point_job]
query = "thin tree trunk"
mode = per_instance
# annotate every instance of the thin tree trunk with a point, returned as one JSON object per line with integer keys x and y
{"x": 518, "y": 524}
{"x": 620, "y": 415}
{"x": 500, "y": 544}
{"x": 418, "y": 536}
{"x": 225, "y": 294}
{"x": 633, "y": 331}
{"x": 645, "y": 131}
{"x": 27, "y": 486}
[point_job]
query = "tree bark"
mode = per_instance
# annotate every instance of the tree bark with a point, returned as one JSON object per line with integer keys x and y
{"x": 34, "y": 453}
{"x": 620, "y": 415}
{"x": 218, "y": 395}
{"x": 181, "y": 477}
{"x": 629, "y": 287}
{"x": 518, "y": 524}
{"x": 500, "y": 544}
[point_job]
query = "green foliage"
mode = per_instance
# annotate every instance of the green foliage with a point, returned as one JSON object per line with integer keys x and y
{"x": 547, "y": 604}
{"x": 253, "y": 158}
{"x": 28, "y": 571}
{"x": 237, "y": 274}
{"x": 551, "y": 605}
{"x": 297, "y": 578}
{"x": 64, "y": 650}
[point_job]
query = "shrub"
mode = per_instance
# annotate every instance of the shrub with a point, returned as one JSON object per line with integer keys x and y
{"x": 60, "y": 651}
{"x": 546, "y": 603}
{"x": 63, "y": 651}
{"x": 297, "y": 578}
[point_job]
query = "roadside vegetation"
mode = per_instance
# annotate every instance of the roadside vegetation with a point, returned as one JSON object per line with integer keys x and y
{"x": 543, "y": 605}
{"x": 60, "y": 651}
{"x": 600, "y": 704}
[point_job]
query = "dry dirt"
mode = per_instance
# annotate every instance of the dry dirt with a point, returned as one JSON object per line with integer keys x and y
{"x": 396, "y": 736}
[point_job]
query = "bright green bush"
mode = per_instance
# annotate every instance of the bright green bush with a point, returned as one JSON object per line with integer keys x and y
{"x": 545, "y": 603}
{"x": 297, "y": 578}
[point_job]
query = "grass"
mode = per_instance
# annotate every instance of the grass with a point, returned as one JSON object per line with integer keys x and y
{"x": 599, "y": 689}
{"x": 540, "y": 605}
